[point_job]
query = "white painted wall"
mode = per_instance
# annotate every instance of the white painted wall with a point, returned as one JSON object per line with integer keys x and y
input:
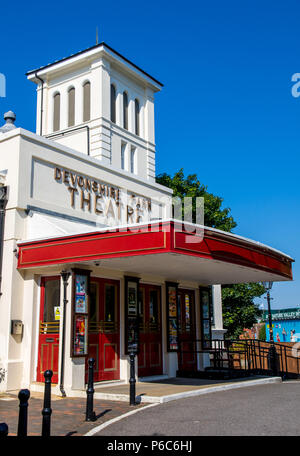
{"x": 105, "y": 137}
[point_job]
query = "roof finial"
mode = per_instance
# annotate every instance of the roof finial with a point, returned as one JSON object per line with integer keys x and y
{"x": 9, "y": 118}
{"x": 97, "y": 41}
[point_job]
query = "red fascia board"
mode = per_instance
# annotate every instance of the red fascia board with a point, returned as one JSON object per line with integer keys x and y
{"x": 161, "y": 237}
{"x": 92, "y": 246}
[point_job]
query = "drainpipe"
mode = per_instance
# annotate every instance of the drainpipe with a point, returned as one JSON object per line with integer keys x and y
{"x": 3, "y": 202}
{"x": 65, "y": 276}
{"x": 42, "y": 102}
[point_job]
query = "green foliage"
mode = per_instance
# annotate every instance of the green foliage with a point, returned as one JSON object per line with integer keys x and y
{"x": 239, "y": 309}
{"x": 262, "y": 333}
{"x": 214, "y": 215}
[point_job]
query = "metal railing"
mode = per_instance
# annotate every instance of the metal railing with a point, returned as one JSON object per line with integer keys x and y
{"x": 240, "y": 357}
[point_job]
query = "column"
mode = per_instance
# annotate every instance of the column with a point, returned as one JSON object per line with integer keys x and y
{"x": 217, "y": 330}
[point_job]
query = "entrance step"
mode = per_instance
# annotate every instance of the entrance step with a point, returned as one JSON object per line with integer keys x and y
{"x": 109, "y": 383}
{"x": 153, "y": 378}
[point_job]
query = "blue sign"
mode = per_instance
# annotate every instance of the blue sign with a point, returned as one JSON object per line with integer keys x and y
{"x": 284, "y": 331}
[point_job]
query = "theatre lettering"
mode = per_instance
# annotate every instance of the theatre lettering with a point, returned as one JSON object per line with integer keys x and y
{"x": 102, "y": 199}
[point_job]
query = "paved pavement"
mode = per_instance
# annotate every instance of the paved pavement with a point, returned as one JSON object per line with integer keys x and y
{"x": 264, "y": 410}
{"x": 158, "y": 390}
{"x": 68, "y": 414}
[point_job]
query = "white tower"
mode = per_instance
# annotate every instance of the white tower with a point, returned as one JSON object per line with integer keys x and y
{"x": 99, "y": 103}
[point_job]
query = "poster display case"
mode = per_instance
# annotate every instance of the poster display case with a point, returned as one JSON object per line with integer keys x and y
{"x": 205, "y": 307}
{"x": 132, "y": 314}
{"x": 80, "y": 306}
{"x": 172, "y": 317}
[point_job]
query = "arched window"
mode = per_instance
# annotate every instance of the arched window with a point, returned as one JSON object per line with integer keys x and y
{"x": 137, "y": 116}
{"x": 86, "y": 101}
{"x": 125, "y": 110}
{"x": 56, "y": 112}
{"x": 71, "y": 104}
{"x": 113, "y": 103}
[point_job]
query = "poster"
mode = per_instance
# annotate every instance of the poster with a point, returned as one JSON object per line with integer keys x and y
{"x": 187, "y": 312}
{"x": 205, "y": 304}
{"x": 172, "y": 302}
{"x": 80, "y": 304}
{"x": 132, "y": 300}
{"x": 206, "y": 329}
{"x": 80, "y": 293}
{"x": 173, "y": 342}
{"x": 132, "y": 335}
{"x": 132, "y": 317}
{"x": 172, "y": 314}
{"x": 80, "y": 337}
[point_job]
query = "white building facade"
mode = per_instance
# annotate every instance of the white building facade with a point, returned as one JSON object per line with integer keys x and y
{"x": 80, "y": 197}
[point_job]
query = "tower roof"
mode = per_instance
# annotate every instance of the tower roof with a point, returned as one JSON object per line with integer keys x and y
{"x": 98, "y": 47}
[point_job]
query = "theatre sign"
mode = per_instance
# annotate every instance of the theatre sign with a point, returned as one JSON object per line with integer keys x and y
{"x": 105, "y": 201}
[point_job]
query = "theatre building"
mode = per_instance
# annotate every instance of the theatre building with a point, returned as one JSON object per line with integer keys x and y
{"x": 93, "y": 265}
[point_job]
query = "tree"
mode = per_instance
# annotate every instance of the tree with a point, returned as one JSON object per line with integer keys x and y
{"x": 214, "y": 215}
{"x": 262, "y": 333}
{"x": 239, "y": 309}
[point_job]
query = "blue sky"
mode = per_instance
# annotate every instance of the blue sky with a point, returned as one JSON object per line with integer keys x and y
{"x": 226, "y": 111}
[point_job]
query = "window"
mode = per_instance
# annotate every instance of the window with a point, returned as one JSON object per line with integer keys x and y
{"x": 86, "y": 101}
{"x": 56, "y": 112}
{"x": 137, "y": 116}
{"x": 71, "y": 103}
{"x": 125, "y": 110}
{"x": 51, "y": 299}
{"x": 110, "y": 303}
{"x": 123, "y": 155}
{"x": 132, "y": 160}
{"x": 113, "y": 103}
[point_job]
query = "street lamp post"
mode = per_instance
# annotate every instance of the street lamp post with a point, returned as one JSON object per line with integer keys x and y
{"x": 272, "y": 355}
{"x": 267, "y": 286}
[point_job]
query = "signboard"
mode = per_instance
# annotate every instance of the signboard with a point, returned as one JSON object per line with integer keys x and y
{"x": 56, "y": 313}
{"x": 101, "y": 199}
{"x": 284, "y": 314}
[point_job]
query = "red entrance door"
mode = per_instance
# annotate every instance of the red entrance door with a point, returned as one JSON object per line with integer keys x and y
{"x": 187, "y": 329}
{"x": 49, "y": 328}
{"x": 104, "y": 337}
{"x": 150, "y": 349}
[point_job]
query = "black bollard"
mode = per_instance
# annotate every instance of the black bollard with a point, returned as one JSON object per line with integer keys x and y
{"x": 23, "y": 412}
{"x": 90, "y": 415}
{"x": 273, "y": 360}
{"x": 132, "y": 380}
{"x": 3, "y": 430}
{"x": 46, "y": 412}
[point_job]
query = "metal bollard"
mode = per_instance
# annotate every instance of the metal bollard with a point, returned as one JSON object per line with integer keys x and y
{"x": 46, "y": 412}
{"x": 90, "y": 415}
{"x": 23, "y": 396}
{"x": 273, "y": 360}
{"x": 3, "y": 430}
{"x": 132, "y": 380}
